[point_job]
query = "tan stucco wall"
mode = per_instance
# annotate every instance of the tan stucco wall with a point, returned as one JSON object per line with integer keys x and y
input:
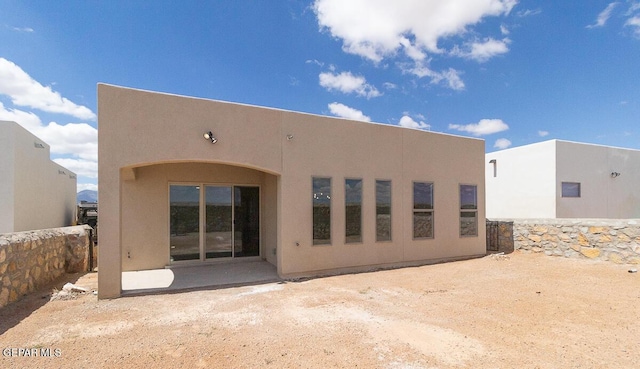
{"x": 345, "y": 149}
{"x": 147, "y": 139}
{"x": 145, "y": 219}
{"x": 38, "y": 193}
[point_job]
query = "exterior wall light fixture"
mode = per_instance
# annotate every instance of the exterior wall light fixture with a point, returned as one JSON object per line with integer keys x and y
{"x": 209, "y": 136}
{"x": 495, "y": 167}
{"x": 289, "y": 137}
{"x": 615, "y": 174}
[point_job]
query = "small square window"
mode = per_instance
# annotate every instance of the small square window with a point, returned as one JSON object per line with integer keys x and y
{"x": 570, "y": 189}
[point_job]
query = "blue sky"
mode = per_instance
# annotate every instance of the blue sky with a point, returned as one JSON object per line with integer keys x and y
{"x": 510, "y": 72}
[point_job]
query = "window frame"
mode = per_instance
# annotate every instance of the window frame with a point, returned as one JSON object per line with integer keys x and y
{"x": 468, "y": 210}
{"x": 423, "y": 211}
{"x": 562, "y": 190}
{"x": 318, "y": 241}
{"x": 346, "y": 213}
{"x": 390, "y": 210}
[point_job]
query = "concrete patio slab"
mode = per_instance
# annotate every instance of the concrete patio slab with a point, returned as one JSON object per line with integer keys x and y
{"x": 210, "y": 276}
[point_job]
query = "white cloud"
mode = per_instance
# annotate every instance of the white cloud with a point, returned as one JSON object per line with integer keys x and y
{"x": 76, "y": 144}
{"x": 81, "y": 167}
{"x": 344, "y": 111}
{"x": 483, "y": 51}
{"x": 346, "y": 82}
{"x": 77, "y": 139}
{"x": 375, "y": 29}
{"x": 28, "y": 120}
{"x": 314, "y": 61}
{"x": 504, "y": 30}
{"x": 604, "y": 16}
{"x": 408, "y": 122}
{"x": 390, "y": 86}
{"x": 87, "y": 186}
{"x": 634, "y": 22}
{"x": 450, "y": 77}
{"x": 543, "y": 133}
{"x": 528, "y": 12}
{"x": 502, "y": 143}
{"x": 25, "y": 91}
{"x": 483, "y": 127}
{"x": 22, "y": 29}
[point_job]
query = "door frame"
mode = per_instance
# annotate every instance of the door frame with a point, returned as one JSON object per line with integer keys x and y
{"x": 202, "y": 224}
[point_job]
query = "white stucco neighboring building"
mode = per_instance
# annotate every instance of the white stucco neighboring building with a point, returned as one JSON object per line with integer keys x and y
{"x": 35, "y": 192}
{"x": 562, "y": 179}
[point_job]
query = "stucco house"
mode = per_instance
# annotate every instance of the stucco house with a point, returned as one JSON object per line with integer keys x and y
{"x": 562, "y": 179}
{"x": 190, "y": 181}
{"x": 35, "y": 192}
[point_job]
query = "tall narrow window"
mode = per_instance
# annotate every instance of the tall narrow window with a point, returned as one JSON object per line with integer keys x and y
{"x": 321, "y": 211}
{"x": 570, "y": 189}
{"x": 422, "y": 210}
{"x": 353, "y": 210}
{"x": 468, "y": 210}
{"x": 383, "y": 210}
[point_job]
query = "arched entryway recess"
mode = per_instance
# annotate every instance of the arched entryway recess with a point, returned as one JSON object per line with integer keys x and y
{"x": 190, "y": 213}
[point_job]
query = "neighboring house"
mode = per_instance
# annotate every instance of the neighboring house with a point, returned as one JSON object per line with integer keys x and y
{"x": 561, "y": 179}
{"x": 188, "y": 181}
{"x": 35, "y": 192}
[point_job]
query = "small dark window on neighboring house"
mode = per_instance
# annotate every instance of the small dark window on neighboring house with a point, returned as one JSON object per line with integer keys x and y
{"x": 570, "y": 189}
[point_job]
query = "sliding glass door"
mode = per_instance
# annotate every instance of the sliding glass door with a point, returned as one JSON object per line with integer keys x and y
{"x": 184, "y": 211}
{"x": 218, "y": 222}
{"x": 210, "y": 222}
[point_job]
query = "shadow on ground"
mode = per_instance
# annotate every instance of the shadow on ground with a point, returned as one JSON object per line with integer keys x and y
{"x": 12, "y": 314}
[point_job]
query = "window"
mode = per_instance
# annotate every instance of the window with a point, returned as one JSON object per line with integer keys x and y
{"x": 468, "y": 210}
{"x": 353, "y": 210}
{"x": 570, "y": 189}
{"x": 383, "y": 210}
{"x": 422, "y": 210}
{"x": 321, "y": 211}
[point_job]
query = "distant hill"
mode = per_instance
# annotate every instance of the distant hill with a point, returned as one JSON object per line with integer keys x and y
{"x": 87, "y": 195}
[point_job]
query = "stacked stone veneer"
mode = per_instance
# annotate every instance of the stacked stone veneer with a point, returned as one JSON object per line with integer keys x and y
{"x": 616, "y": 240}
{"x": 31, "y": 259}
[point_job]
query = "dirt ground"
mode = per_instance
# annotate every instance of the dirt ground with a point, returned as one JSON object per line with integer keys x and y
{"x": 520, "y": 311}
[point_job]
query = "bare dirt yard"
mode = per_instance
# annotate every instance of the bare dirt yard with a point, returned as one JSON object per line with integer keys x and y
{"x": 520, "y": 311}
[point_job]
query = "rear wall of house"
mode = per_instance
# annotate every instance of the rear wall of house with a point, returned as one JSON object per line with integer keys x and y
{"x": 148, "y": 140}
{"x": 339, "y": 150}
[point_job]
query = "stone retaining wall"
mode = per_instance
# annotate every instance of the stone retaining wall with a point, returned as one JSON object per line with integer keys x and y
{"x": 616, "y": 240}
{"x": 29, "y": 260}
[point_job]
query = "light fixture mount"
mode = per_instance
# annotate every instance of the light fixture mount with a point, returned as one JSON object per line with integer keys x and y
{"x": 209, "y": 136}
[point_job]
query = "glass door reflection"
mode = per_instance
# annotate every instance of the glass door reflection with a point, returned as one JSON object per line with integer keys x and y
{"x": 218, "y": 222}
{"x": 246, "y": 215}
{"x": 184, "y": 214}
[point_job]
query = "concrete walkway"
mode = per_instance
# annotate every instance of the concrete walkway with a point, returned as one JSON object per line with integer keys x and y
{"x": 210, "y": 276}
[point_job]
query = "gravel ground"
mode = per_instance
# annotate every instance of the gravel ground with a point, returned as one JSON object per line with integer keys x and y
{"x": 518, "y": 311}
